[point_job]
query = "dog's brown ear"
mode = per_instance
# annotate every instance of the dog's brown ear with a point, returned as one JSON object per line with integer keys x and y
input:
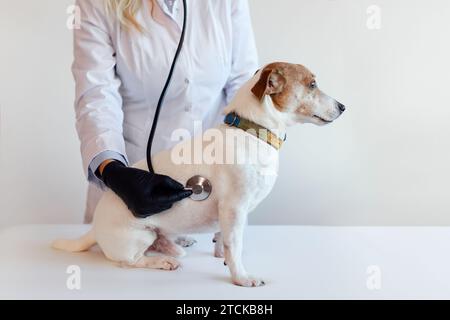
{"x": 270, "y": 82}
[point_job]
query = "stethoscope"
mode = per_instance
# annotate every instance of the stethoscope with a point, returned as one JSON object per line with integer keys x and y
{"x": 200, "y": 186}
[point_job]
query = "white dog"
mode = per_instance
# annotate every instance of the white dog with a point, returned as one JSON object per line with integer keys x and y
{"x": 279, "y": 95}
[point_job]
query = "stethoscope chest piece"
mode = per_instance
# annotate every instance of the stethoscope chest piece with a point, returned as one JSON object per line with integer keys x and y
{"x": 200, "y": 186}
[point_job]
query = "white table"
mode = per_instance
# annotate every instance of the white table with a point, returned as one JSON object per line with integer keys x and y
{"x": 296, "y": 262}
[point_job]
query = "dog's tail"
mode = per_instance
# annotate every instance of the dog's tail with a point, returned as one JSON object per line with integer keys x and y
{"x": 78, "y": 245}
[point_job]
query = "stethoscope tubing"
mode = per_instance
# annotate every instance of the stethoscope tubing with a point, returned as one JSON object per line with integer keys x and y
{"x": 200, "y": 186}
{"x": 164, "y": 91}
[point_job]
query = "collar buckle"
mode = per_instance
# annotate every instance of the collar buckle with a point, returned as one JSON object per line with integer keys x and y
{"x": 232, "y": 119}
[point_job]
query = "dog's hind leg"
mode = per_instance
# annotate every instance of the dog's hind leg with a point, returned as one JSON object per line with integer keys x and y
{"x": 185, "y": 241}
{"x": 156, "y": 262}
{"x": 166, "y": 246}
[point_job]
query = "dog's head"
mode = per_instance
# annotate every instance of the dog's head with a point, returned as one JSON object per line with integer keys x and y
{"x": 294, "y": 92}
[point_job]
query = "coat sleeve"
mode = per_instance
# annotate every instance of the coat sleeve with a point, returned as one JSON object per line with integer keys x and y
{"x": 97, "y": 161}
{"x": 244, "y": 54}
{"x": 98, "y": 103}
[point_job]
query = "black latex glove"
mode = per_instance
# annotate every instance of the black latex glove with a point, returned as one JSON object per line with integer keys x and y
{"x": 143, "y": 192}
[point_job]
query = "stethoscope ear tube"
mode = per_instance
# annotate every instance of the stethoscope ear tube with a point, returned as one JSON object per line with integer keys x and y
{"x": 163, "y": 93}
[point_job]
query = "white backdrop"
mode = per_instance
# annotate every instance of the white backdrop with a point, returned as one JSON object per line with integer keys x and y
{"x": 385, "y": 162}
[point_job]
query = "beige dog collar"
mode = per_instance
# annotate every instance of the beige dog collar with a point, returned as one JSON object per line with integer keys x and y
{"x": 262, "y": 133}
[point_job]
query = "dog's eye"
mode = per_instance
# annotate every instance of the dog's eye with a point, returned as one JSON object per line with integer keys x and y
{"x": 313, "y": 85}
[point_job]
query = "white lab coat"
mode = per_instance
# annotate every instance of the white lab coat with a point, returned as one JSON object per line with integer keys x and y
{"x": 119, "y": 76}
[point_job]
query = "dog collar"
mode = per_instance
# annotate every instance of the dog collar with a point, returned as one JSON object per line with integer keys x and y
{"x": 262, "y": 133}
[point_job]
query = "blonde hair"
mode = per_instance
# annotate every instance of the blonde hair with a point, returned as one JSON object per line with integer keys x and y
{"x": 125, "y": 11}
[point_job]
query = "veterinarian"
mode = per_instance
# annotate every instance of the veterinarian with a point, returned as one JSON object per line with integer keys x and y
{"x": 123, "y": 50}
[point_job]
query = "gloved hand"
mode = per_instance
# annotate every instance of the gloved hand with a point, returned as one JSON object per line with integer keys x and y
{"x": 143, "y": 192}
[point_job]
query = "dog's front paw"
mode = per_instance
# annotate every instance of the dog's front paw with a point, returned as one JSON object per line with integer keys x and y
{"x": 248, "y": 281}
{"x": 185, "y": 242}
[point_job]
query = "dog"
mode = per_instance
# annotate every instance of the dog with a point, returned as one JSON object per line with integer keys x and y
{"x": 278, "y": 96}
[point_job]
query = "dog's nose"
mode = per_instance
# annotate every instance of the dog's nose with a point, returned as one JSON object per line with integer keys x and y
{"x": 340, "y": 106}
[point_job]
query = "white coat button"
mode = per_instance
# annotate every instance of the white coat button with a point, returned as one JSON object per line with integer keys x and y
{"x": 187, "y": 81}
{"x": 188, "y": 108}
